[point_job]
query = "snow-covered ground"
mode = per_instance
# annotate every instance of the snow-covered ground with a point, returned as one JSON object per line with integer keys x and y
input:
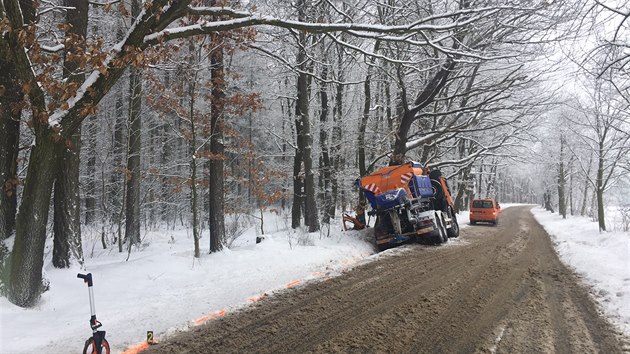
{"x": 602, "y": 259}
{"x": 163, "y": 289}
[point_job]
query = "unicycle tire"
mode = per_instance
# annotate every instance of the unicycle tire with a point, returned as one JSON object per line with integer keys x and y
{"x": 90, "y": 347}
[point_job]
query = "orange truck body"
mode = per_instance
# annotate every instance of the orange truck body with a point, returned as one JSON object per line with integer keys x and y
{"x": 391, "y": 177}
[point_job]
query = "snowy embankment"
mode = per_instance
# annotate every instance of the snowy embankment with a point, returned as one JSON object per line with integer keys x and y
{"x": 162, "y": 288}
{"x": 602, "y": 259}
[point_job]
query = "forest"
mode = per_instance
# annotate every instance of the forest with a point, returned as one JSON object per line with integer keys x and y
{"x": 127, "y": 115}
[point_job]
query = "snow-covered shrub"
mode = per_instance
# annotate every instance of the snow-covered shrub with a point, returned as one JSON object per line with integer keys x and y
{"x": 304, "y": 238}
{"x": 235, "y": 226}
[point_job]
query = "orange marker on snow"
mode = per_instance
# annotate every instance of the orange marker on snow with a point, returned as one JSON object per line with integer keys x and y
{"x": 293, "y": 283}
{"x": 137, "y": 349}
{"x": 203, "y": 319}
{"x": 257, "y": 298}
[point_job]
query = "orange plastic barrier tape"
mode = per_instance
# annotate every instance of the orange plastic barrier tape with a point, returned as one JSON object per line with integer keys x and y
{"x": 137, "y": 349}
{"x": 204, "y": 319}
{"x": 293, "y": 283}
{"x": 257, "y": 298}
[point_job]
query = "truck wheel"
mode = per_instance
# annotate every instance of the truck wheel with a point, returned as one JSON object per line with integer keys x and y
{"x": 444, "y": 231}
{"x": 436, "y": 236}
{"x": 454, "y": 230}
{"x": 439, "y": 234}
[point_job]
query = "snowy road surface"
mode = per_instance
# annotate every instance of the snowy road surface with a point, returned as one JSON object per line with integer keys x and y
{"x": 504, "y": 291}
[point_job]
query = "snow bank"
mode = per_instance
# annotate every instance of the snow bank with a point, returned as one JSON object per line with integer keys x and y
{"x": 603, "y": 259}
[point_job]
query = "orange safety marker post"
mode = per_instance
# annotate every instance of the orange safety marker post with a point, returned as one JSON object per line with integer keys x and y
{"x": 293, "y": 283}
{"x": 203, "y": 319}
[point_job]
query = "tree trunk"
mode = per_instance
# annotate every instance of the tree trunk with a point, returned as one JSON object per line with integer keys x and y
{"x": 304, "y": 143}
{"x": 464, "y": 178}
{"x": 599, "y": 188}
{"x": 388, "y": 108}
{"x": 547, "y": 200}
{"x": 586, "y": 184}
{"x": 463, "y": 190}
{"x": 27, "y": 258}
{"x": 562, "y": 208}
{"x": 117, "y": 182}
{"x": 216, "y": 197}
{"x": 286, "y": 121}
{"x": 67, "y": 207}
{"x": 304, "y": 138}
{"x": 298, "y": 185}
{"x": 134, "y": 146}
{"x": 326, "y": 163}
{"x": 194, "y": 199}
{"x": 337, "y": 138}
{"x": 491, "y": 181}
{"x": 480, "y": 180}
{"x": 571, "y": 204}
{"x": 166, "y": 153}
{"x": 90, "y": 192}
{"x": 367, "y": 103}
{"x": 67, "y": 201}
{"x": 10, "y": 115}
{"x": 363, "y": 122}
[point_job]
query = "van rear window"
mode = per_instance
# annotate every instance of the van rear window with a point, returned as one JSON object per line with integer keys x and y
{"x": 482, "y": 204}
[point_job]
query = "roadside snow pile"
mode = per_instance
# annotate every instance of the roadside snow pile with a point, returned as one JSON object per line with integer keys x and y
{"x": 162, "y": 288}
{"x": 603, "y": 259}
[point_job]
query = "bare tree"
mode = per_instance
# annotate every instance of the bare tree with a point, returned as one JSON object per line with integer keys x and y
{"x": 562, "y": 180}
{"x": 603, "y": 128}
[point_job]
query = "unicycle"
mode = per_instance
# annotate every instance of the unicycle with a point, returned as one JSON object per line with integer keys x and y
{"x": 96, "y": 344}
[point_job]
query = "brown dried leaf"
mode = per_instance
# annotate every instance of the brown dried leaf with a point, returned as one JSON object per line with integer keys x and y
{"x": 26, "y": 87}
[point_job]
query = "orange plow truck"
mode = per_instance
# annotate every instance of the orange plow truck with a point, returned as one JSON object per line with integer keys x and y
{"x": 411, "y": 202}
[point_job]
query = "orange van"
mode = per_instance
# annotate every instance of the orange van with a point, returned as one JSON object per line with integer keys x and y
{"x": 484, "y": 210}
